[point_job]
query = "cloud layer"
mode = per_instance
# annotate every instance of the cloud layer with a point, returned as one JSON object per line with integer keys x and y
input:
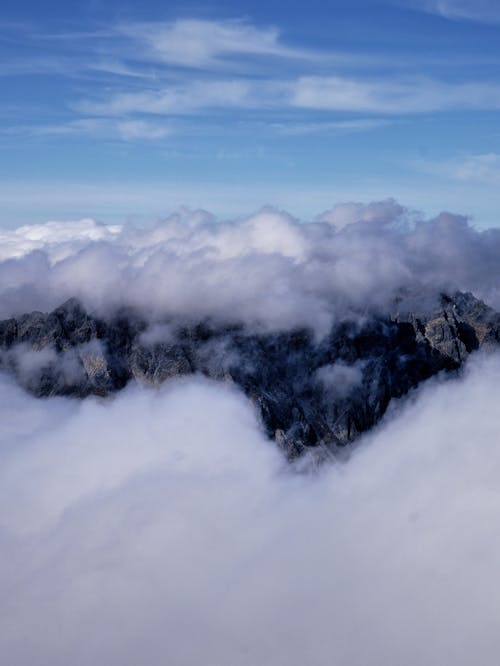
{"x": 163, "y": 528}
{"x": 266, "y": 270}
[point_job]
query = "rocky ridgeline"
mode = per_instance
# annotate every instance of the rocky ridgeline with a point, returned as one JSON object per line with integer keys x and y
{"x": 309, "y": 393}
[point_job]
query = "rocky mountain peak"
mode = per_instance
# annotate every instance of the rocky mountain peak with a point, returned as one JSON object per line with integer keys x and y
{"x": 308, "y": 392}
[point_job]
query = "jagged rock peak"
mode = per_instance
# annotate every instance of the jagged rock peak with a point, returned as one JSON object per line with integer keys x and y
{"x": 309, "y": 392}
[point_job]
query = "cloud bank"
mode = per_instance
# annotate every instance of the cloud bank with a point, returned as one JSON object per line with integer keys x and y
{"x": 267, "y": 270}
{"x": 163, "y": 528}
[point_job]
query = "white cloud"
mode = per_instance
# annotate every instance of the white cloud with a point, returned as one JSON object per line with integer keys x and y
{"x": 387, "y": 96}
{"x": 120, "y": 69}
{"x": 56, "y": 239}
{"x": 131, "y": 526}
{"x": 345, "y": 214}
{"x": 148, "y": 57}
{"x": 330, "y": 127}
{"x": 128, "y": 130}
{"x": 484, "y": 11}
{"x": 91, "y": 126}
{"x": 483, "y": 168}
{"x": 140, "y": 129}
{"x": 188, "y": 97}
{"x": 268, "y": 270}
{"x": 392, "y": 96}
{"x": 202, "y": 43}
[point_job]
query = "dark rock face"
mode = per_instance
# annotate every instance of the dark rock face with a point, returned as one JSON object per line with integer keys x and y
{"x": 309, "y": 393}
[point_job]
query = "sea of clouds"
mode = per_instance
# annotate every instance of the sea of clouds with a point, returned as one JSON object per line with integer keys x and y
{"x": 163, "y": 528}
{"x": 160, "y": 526}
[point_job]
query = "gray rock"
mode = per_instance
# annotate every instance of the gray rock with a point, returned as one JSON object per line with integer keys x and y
{"x": 383, "y": 357}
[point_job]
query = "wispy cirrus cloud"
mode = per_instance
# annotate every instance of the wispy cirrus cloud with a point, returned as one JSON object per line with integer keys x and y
{"x": 122, "y": 48}
{"x": 208, "y": 43}
{"x": 481, "y": 168}
{"x": 141, "y": 129}
{"x": 196, "y": 92}
{"x": 392, "y": 96}
{"x": 190, "y": 66}
{"x": 326, "y": 127}
{"x": 72, "y": 67}
{"x": 126, "y": 129}
{"x": 469, "y": 10}
{"x": 148, "y": 50}
{"x": 189, "y": 96}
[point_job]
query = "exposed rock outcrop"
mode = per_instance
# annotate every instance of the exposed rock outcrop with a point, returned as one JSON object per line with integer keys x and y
{"x": 309, "y": 392}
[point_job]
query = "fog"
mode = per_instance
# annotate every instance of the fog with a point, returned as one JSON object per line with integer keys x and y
{"x": 161, "y": 526}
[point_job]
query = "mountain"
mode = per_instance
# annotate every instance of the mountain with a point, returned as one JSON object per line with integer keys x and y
{"x": 309, "y": 391}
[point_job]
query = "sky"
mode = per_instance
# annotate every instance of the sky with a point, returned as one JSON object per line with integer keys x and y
{"x": 125, "y": 111}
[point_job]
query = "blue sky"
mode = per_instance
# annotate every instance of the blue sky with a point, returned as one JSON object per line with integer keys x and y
{"x": 126, "y": 111}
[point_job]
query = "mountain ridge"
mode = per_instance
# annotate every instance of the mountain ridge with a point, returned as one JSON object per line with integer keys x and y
{"x": 310, "y": 393}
